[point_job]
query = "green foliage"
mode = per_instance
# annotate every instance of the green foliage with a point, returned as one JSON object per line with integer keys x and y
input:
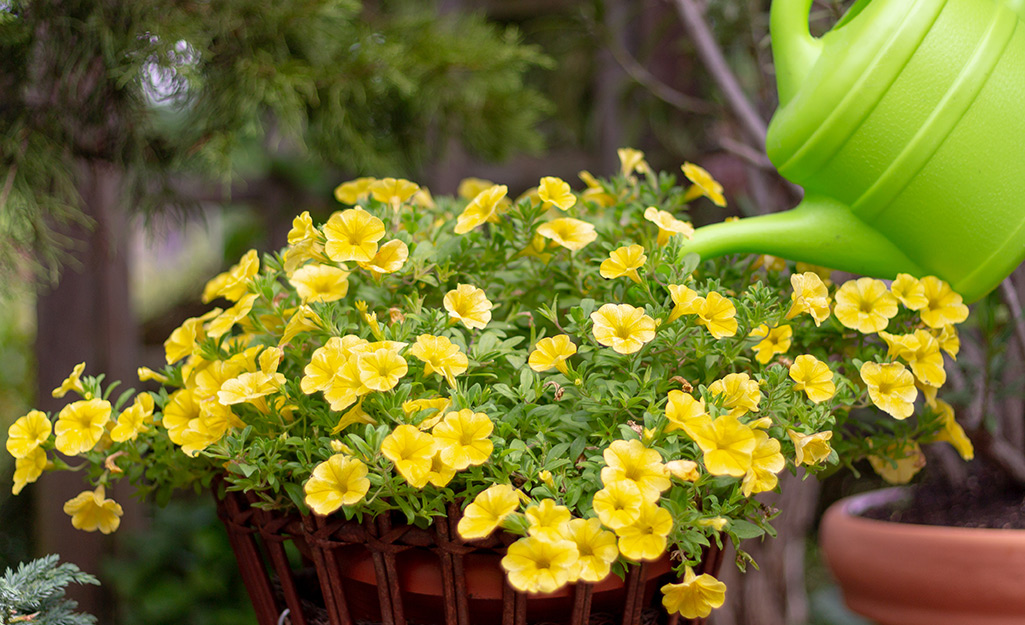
{"x": 34, "y": 593}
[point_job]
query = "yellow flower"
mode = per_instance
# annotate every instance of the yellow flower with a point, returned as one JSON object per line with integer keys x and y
{"x": 771, "y": 263}
{"x": 393, "y": 191}
{"x": 437, "y": 404}
{"x": 27, "y": 433}
{"x": 622, "y": 327}
{"x": 440, "y": 356}
{"x": 774, "y": 341}
{"x": 80, "y": 425}
{"x": 596, "y": 548}
{"x": 352, "y": 235}
{"x": 547, "y": 519}
{"x": 717, "y": 314}
{"x": 338, "y": 481}
{"x": 921, "y": 351}
{"x": 740, "y": 393}
{"x": 645, "y": 538}
{"x": 354, "y": 190}
{"x": 470, "y": 305}
{"x": 225, "y": 321}
{"x": 632, "y": 461}
{"x": 181, "y": 409}
{"x": 595, "y": 192}
{"x": 618, "y": 504}
{"x": 91, "y": 511}
{"x": 304, "y": 319}
{"x": 381, "y": 368}
{"x": 346, "y": 385}
{"x": 695, "y": 597}
{"x": 234, "y": 283}
{"x": 556, "y": 191}
{"x": 536, "y": 249}
{"x": 183, "y": 339}
{"x": 356, "y": 414}
{"x": 810, "y": 296}
{"x": 303, "y": 243}
{"x": 910, "y": 291}
{"x": 571, "y": 234}
{"x": 727, "y": 444}
{"x": 146, "y": 374}
{"x": 864, "y": 305}
{"x": 552, "y": 351}
{"x": 533, "y": 564}
{"x": 483, "y": 207}
{"x": 683, "y": 470}
{"x": 487, "y": 511}
{"x": 667, "y": 225}
{"x": 952, "y": 432}
{"x": 949, "y": 341}
{"x": 470, "y": 187}
{"x": 248, "y": 387}
{"x": 631, "y": 160}
{"x": 462, "y": 438}
{"x": 898, "y": 462}
{"x": 389, "y": 258}
{"x": 327, "y": 361}
{"x": 71, "y": 383}
{"x": 685, "y": 301}
{"x": 682, "y": 408}
{"x": 891, "y": 388}
{"x": 812, "y": 376}
{"x": 704, "y": 185}
{"x": 440, "y": 473}
{"x": 320, "y": 283}
{"x": 810, "y": 448}
{"x": 624, "y": 261}
{"x": 28, "y": 468}
{"x": 411, "y": 451}
{"x": 134, "y": 419}
{"x": 766, "y": 462}
{"x": 944, "y": 307}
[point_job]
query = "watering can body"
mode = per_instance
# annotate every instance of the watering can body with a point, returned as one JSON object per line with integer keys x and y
{"x": 905, "y": 125}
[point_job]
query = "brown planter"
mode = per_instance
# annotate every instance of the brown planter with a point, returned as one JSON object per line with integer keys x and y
{"x": 391, "y": 573}
{"x": 906, "y": 574}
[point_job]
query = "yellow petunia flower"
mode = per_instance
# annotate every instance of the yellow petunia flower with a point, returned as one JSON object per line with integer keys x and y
{"x": 812, "y": 376}
{"x": 234, "y": 283}
{"x": 864, "y": 305}
{"x": 618, "y": 504}
{"x": 353, "y": 191}
{"x": 537, "y": 565}
{"x": 695, "y": 597}
{"x": 704, "y": 184}
{"x": 440, "y": 356}
{"x": 487, "y": 511}
{"x": 631, "y": 160}
{"x": 570, "y": 233}
{"x": 71, "y": 383}
{"x": 683, "y": 408}
{"x": 717, "y": 314}
{"x": 547, "y": 519}
{"x": 462, "y": 438}
{"x": 891, "y": 388}
{"x": 411, "y": 451}
{"x": 225, "y": 321}
{"x": 740, "y": 393}
{"x": 556, "y": 191}
{"x": 134, "y": 419}
{"x": 952, "y": 432}
{"x": 182, "y": 341}
{"x": 552, "y": 351}
{"x": 773, "y": 341}
{"x": 389, "y": 258}
{"x": 685, "y": 301}
{"x": 352, "y": 236}
{"x": 622, "y": 327}
{"x": 898, "y": 462}
{"x": 944, "y": 307}
{"x": 633, "y": 462}
{"x": 646, "y": 538}
{"x": 249, "y": 387}
{"x": 80, "y": 425}
{"x": 326, "y": 361}
{"x": 393, "y": 191}
{"x": 810, "y": 448}
{"x": 596, "y": 548}
{"x": 470, "y": 305}
{"x": 341, "y": 480}
{"x": 27, "y": 433}
{"x": 483, "y": 207}
{"x": 320, "y": 283}
{"x": 28, "y": 468}
{"x": 624, "y": 261}
{"x": 380, "y": 369}
{"x": 766, "y": 462}
{"x": 180, "y": 410}
{"x": 727, "y": 444}
{"x": 810, "y": 296}
{"x": 921, "y": 351}
{"x": 667, "y": 225}
{"x": 909, "y": 291}
{"x": 91, "y": 511}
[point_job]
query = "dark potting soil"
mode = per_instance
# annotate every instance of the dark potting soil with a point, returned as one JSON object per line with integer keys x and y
{"x": 987, "y": 499}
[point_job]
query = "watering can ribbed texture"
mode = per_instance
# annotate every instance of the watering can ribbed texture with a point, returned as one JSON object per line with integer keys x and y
{"x": 905, "y": 124}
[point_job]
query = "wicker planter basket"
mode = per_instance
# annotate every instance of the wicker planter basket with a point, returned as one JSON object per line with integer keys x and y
{"x": 430, "y": 576}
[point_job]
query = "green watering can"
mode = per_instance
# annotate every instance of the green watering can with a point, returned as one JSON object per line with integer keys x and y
{"x": 905, "y": 124}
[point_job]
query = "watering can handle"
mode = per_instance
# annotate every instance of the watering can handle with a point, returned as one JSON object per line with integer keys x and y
{"x": 794, "y": 50}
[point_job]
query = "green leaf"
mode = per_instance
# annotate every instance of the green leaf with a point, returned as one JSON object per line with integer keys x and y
{"x": 745, "y": 529}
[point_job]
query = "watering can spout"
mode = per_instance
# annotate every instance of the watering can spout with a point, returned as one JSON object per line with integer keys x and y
{"x": 820, "y": 231}
{"x": 794, "y": 50}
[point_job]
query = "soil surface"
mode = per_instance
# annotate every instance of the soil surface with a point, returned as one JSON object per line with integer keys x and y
{"x": 985, "y": 500}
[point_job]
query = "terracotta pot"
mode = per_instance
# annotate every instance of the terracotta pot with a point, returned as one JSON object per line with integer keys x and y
{"x": 907, "y": 574}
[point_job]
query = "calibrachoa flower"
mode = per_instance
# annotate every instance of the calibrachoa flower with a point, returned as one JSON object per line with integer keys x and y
{"x": 393, "y": 191}
{"x": 717, "y": 314}
{"x": 645, "y": 538}
{"x": 570, "y": 233}
{"x": 487, "y": 511}
{"x": 633, "y": 462}
{"x": 910, "y": 291}
{"x": 411, "y": 450}
{"x": 536, "y": 564}
{"x": 695, "y": 597}
{"x": 381, "y": 368}
{"x": 389, "y": 258}
{"x": 704, "y": 184}
{"x": 91, "y": 511}
{"x": 234, "y": 283}
{"x": 740, "y": 393}
{"x": 469, "y": 305}
{"x": 618, "y": 504}
{"x": 71, "y": 383}
{"x": 810, "y": 448}
{"x": 891, "y": 387}
{"x": 766, "y": 462}
{"x": 898, "y": 463}
{"x": 622, "y": 327}
{"x": 773, "y": 341}
{"x": 461, "y": 438}
{"x": 353, "y": 191}
{"x": 338, "y": 481}
{"x": 864, "y": 305}
{"x": 631, "y": 160}
{"x": 624, "y": 261}
{"x": 552, "y": 351}
{"x": 727, "y": 444}
{"x": 27, "y": 433}
{"x": 685, "y": 301}
{"x": 810, "y": 296}
{"x": 556, "y": 192}
{"x": 482, "y": 208}
{"x": 547, "y": 519}
{"x": 596, "y": 548}
{"x": 682, "y": 408}
{"x": 440, "y": 356}
{"x": 352, "y": 235}
{"x": 952, "y": 432}
{"x": 80, "y": 425}
{"x": 134, "y": 419}
{"x": 28, "y": 468}
{"x": 943, "y": 306}
{"x": 667, "y": 225}
{"x": 812, "y": 376}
